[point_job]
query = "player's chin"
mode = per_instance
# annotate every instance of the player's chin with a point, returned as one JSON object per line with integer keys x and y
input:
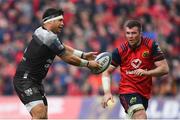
{"x": 131, "y": 43}
{"x": 59, "y": 30}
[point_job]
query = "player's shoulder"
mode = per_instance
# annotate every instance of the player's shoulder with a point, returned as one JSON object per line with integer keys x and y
{"x": 44, "y": 35}
{"x": 123, "y": 46}
{"x": 147, "y": 41}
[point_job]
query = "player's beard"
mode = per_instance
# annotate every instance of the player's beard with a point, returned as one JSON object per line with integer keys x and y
{"x": 59, "y": 29}
{"x": 135, "y": 43}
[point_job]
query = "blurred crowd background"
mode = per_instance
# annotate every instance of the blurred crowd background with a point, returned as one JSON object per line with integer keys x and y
{"x": 90, "y": 25}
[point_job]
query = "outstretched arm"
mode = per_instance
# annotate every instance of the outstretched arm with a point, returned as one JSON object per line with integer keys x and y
{"x": 81, "y": 54}
{"x": 106, "y": 83}
{"x": 72, "y": 58}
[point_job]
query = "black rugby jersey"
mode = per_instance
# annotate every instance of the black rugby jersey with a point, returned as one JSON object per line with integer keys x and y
{"x": 39, "y": 54}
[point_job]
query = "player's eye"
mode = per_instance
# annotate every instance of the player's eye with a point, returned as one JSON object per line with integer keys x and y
{"x": 60, "y": 20}
{"x": 134, "y": 32}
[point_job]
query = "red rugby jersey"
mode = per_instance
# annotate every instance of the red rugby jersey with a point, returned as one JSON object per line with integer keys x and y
{"x": 130, "y": 59}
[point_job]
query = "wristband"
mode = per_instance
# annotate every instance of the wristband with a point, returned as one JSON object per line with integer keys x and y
{"x": 78, "y": 53}
{"x": 84, "y": 63}
{"x": 82, "y": 56}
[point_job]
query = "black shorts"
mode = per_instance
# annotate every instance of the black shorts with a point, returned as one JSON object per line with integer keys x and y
{"x": 127, "y": 100}
{"x": 28, "y": 90}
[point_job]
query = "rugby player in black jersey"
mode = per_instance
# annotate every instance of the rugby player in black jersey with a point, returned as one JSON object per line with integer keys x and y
{"x": 37, "y": 59}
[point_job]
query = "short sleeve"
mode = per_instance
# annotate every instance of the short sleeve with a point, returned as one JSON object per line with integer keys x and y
{"x": 157, "y": 54}
{"x": 116, "y": 59}
{"x": 57, "y": 47}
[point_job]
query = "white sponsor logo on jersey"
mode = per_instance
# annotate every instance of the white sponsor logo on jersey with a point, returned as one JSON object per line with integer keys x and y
{"x": 136, "y": 63}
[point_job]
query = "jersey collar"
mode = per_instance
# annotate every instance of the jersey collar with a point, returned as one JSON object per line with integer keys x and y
{"x": 136, "y": 46}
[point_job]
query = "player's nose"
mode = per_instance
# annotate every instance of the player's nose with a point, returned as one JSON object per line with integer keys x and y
{"x": 62, "y": 23}
{"x": 130, "y": 35}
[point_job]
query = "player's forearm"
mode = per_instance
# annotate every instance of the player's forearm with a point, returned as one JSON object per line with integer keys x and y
{"x": 73, "y": 51}
{"x": 159, "y": 71}
{"x": 106, "y": 81}
{"x": 76, "y": 61}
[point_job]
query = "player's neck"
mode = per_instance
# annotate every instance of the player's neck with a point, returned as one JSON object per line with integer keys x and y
{"x": 137, "y": 44}
{"x": 46, "y": 27}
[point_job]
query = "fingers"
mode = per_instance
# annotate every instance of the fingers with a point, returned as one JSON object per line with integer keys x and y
{"x": 94, "y": 65}
{"x": 91, "y": 55}
{"x": 112, "y": 99}
{"x": 98, "y": 65}
{"x": 106, "y": 100}
{"x": 104, "y": 104}
{"x": 139, "y": 72}
{"x": 95, "y": 53}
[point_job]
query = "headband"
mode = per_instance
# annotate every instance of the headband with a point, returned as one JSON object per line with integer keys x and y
{"x": 52, "y": 18}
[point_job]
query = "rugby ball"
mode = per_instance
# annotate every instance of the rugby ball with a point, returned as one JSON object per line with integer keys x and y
{"x": 104, "y": 59}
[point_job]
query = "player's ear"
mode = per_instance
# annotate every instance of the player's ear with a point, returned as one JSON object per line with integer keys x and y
{"x": 140, "y": 31}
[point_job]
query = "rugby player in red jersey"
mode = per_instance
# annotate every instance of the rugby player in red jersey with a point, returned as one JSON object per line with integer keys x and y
{"x": 140, "y": 59}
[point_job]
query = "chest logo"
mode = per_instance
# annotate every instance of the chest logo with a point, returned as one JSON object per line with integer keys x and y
{"x": 145, "y": 54}
{"x": 136, "y": 63}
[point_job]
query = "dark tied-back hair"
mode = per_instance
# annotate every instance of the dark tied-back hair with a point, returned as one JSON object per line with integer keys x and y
{"x": 133, "y": 23}
{"x": 51, "y": 13}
